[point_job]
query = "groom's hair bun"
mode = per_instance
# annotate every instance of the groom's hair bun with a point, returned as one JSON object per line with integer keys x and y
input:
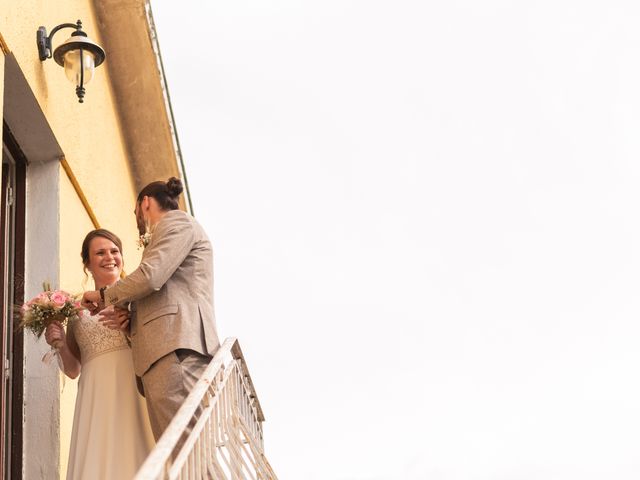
{"x": 165, "y": 193}
{"x": 174, "y": 187}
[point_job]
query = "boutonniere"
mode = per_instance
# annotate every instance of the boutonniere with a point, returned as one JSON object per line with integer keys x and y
{"x": 144, "y": 240}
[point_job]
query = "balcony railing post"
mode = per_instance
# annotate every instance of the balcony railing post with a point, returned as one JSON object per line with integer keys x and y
{"x": 226, "y": 441}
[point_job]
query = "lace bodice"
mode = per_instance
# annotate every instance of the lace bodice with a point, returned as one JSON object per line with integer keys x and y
{"x": 95, "y": 339}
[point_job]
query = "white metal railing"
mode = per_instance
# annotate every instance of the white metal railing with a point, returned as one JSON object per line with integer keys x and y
{"x": 225, "y": 441}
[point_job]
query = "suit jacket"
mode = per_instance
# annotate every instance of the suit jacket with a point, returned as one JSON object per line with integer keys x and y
{"x": 173, "y": 293}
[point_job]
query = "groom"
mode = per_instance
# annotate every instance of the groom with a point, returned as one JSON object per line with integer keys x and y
{"x": 173, "y": 333}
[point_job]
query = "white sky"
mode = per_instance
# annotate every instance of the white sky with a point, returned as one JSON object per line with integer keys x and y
{"x": 425, "y": 216}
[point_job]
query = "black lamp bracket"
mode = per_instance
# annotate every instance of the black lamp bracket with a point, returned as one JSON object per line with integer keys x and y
{"x": 44, "y": 40}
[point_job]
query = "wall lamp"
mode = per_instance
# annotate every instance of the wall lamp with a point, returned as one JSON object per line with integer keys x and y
{"x": 79, "y": 55}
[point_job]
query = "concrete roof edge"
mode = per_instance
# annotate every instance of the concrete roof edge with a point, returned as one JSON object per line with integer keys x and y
{"x": 140, "y": 92}
{"x": 174, "y": 131}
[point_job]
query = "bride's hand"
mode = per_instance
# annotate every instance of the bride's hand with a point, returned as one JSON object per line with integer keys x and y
{"x": 55, "y": 334}
{"x": 116, "y": 318}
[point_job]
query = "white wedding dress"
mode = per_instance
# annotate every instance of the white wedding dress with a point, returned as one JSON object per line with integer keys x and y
{"x": 111, "y": 436}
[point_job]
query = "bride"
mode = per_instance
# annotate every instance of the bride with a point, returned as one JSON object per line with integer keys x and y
{"x": 111, "y": 436}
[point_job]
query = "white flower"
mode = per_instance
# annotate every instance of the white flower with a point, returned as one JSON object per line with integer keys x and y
{"x": 144, "y": 240}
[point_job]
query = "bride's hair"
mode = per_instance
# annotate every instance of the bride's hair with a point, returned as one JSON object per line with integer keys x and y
{"x": 165, "y": 193}
{"x": 86, "y": 243}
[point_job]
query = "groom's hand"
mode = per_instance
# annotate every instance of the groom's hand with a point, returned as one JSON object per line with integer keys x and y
{"x": 116, "y": 318}
{"x": 91, "y": 301}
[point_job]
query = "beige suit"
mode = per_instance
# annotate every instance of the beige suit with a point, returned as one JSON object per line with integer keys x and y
{"x": 173, "y": 294}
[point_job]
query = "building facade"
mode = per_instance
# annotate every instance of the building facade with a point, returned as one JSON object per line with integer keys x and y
{"x": 68, "y": 167}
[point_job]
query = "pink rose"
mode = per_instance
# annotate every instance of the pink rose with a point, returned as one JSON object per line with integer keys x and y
{"x": 42, "y": 299}
{"x": 58, "y": 299}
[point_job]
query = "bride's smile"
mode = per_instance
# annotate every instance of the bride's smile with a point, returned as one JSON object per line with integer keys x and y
{"x": 105, "y": 261}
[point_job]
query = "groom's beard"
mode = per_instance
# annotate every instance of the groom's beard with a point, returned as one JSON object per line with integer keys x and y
{"x": 142, "y": 229}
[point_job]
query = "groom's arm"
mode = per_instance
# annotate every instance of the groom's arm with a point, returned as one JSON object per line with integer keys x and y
{"x": 169, "y": 246}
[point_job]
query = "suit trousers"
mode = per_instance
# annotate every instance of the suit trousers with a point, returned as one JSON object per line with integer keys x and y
{"x": 168, "y": 383}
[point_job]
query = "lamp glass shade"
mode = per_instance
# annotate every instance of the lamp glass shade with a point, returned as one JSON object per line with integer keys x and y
{"x": 72, "y": 65}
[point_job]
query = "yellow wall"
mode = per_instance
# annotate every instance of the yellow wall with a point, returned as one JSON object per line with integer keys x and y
{"x": 89, "y": 133}
{"x": 91, "y": 138}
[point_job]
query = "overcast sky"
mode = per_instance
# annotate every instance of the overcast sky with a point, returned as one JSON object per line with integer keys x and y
{"x": 426, "y": 223}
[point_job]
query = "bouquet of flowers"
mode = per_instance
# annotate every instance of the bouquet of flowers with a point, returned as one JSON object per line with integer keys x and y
{"x": 47, "y": 307}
